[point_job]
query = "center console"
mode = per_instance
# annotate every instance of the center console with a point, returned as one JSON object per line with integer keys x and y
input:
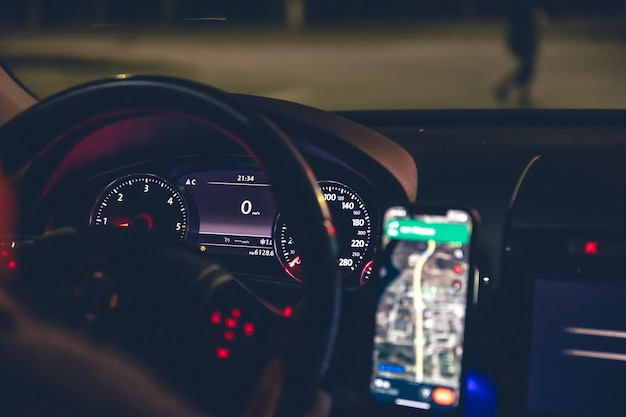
{"x": 565, "y": 290}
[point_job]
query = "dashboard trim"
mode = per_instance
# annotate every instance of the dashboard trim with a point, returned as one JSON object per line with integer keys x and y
{"x": 356, "y": 138}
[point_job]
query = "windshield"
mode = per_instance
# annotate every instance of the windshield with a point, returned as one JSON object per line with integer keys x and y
{"x": 332, "y": 54}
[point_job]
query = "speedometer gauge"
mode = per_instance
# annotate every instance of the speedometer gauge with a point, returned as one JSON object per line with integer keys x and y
{"x": 143, "y": 202}
{"x": 352, "y": 222}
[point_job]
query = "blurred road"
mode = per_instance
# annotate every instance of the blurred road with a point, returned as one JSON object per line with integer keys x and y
{"x": 333, "y": 69}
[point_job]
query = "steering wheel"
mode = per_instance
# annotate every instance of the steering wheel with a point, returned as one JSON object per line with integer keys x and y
{"x": 77, "y": 375}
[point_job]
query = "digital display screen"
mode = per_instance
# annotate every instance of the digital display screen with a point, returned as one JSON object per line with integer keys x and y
{"x": 578, "y": 349}
{"x": 420, "y": 319}
{"x": 236, "y": 211}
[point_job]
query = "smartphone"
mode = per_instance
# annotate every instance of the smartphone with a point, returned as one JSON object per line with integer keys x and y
{"x": 426, "y": 281}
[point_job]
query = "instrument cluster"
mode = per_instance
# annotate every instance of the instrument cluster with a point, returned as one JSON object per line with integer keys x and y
{"x": 231, "y": 213}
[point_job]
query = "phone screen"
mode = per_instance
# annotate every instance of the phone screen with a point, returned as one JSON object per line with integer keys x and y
{"x": 420, "y": 320}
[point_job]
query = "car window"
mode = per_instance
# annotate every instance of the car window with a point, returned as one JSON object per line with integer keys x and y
{"x": 350, "y": 54}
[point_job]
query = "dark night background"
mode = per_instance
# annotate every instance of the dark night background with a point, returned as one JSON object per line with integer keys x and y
{"x": 331, "y": 54}
{"x": 272, "y": 11}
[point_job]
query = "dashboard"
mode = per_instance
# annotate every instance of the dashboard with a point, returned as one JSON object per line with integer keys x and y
{"x": 226, "y": 209}
{"x": 550, "y": 188}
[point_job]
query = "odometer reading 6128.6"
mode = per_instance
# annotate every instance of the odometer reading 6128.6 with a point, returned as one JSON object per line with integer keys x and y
{"x": 142, "y": 202}
{"x": 353, "y": 225}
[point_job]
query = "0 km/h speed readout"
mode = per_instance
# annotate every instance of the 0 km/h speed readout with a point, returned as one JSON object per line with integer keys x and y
{"x": 352, "y": 222}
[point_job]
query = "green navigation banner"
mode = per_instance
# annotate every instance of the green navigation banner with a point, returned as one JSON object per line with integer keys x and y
{"x": 407, "y": 229}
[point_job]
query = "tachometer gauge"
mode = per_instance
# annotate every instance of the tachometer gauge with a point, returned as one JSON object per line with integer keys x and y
{"x": 352, "y": 222}
{"x": 144, "y": 202}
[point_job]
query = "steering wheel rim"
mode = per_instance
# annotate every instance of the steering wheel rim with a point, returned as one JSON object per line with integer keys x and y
{"x": 294, "y": 187}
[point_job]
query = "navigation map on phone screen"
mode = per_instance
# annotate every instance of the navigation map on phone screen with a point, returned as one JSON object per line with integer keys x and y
{"x": 420, "y": 319}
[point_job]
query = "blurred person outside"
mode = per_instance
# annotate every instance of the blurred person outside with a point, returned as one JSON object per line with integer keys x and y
{"x": 524, "y": 21}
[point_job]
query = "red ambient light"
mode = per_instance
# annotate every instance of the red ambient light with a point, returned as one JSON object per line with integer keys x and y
{"x": 222, "y": 352}
{"x": 230, "y": 322}
{"x": 287, "y": 311}
{"x": 248, "y": 329}
{"x": 229, "y": 335}
{"x": 12, "y": 264}
{"x": 591, "y": 248}
{"x": 236, "y": 313}
{"x": 216, "y": 317}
